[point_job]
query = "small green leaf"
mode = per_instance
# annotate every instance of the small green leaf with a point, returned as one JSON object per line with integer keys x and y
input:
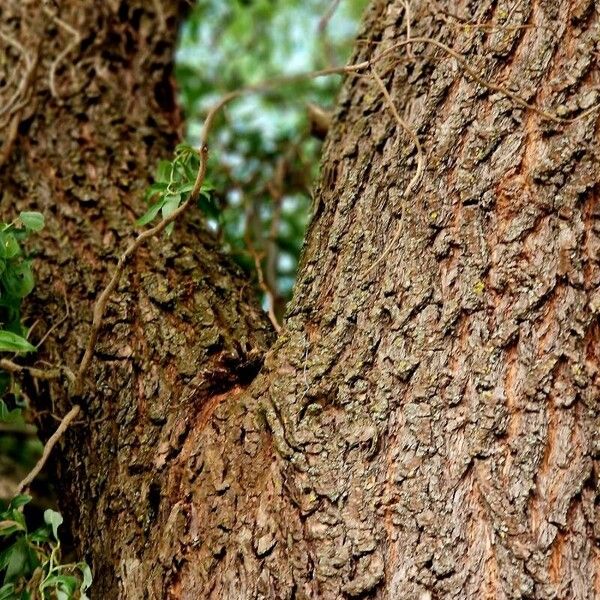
{"x": 87, "y": 575}
{"x": 18, "y": 280}
{"x": 151, "y": 213}
{"x": 163, "y": 172}
{"x": 207, "y": 205}
{"x": 67, "y": 584}
{"x": 171, "y": 204}
{"x": 154, "y": 189}
{"x": 54, "y": 519}
{"x": 19, "y": 560}
{"x": 8, "y": 527}
{"x": 185, "y": 188}
{"x": 20, "y": 500}
{"x": 9, "y": 247}
{"x": 11, "y": 342}
{"x": 34, "y": 221}
{"x": 8, "y": 415}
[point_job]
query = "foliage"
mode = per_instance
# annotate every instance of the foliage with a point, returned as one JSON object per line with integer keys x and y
{"x": 30, "y": 561}
{"x": 263, "y": 159}
{"x": 16, "y": 280}
{"x": 174, "y": 182}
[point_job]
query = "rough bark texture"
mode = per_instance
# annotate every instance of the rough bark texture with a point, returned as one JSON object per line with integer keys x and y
{"x": 183, "y": 327}
{"x": 426, "y": 428}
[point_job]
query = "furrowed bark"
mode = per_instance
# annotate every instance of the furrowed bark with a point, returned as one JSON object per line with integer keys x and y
{"x": 430, "y": 424}
{"x": 427, "y": 428}
{"x": 183, "y": 329}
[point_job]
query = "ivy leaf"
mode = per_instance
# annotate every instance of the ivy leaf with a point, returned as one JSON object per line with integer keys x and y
{"x": 8, "y": 527}
{"x": 8, "y": 415}
{"x": 18, "y": 280}
{"x": 170, "y": 205}
{"x": 34, "y": 221}
{"x": 18, "y": 501}
{"x": 87, "y": 575}
{"x": 156, "y": 188}
{"x": 151, "y": 213}
{"x": 19, "y": 560}
{"x": 208, "y": 206}
{"x": 163, "y": 172}
{"x": 54, "y": 519}
{"x": 11, "y": 342}
{"x": 63, "y": 585}
{"x": 9, "y": 247}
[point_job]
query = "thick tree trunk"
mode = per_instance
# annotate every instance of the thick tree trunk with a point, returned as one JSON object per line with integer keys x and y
{"x": 183, "y": 328}
{"x": 427, "y": 424}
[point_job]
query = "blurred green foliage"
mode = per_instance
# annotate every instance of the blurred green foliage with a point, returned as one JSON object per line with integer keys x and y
{"x": 263, "y": 158}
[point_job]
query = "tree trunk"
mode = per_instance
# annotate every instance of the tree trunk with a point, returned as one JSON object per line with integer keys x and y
{"x": 426, "y": 426}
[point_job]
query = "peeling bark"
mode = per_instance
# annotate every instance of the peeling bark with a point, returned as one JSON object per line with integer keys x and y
{"x": 427, "y": 428}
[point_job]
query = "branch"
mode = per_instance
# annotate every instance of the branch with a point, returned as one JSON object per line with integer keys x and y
{"x": 64, "y": 425}
{"x": 47, "y": 375}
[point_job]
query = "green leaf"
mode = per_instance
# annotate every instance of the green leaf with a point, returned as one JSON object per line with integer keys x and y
{"x": 208, "y": 206}
{"x": 66, "y": 584}
{"x": 154, "y": 189}
{"x": 185, "y": 188}
{"x": 18, "y": 280}
{"x": 34, "y": 221}
{"x": 151, "y": 213}
{"x": 171, "y": 205}
{"x": 19, "y": 560}
{"x": 163, "y": 172}
{"x": 11, "y": 342}
{"x": 20, "y": 500}
{"x": 54, "y": 519}
{"x": 87, "y": 575}
{"x": 9, "y": 247}
{"x": 7, "y": 592}
{"x": 8, "y": 527}
{"x": 41, "y": 535}
{"x": 8, "y": 415}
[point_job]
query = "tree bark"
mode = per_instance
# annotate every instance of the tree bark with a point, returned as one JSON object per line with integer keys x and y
{"x": 426, "y": 426}
{"x": 183, "y": 327}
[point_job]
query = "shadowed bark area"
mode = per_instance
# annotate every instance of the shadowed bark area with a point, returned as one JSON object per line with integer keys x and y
{"x": 183, "y": 327}
{"x": 427, "y": 425}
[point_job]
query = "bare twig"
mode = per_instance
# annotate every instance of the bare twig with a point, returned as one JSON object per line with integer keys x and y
{"x": 25, "y": 82}
{"x": 68, "y": 48}
{"x": 45, "y": 374}
{"x": 54, "y": 438}
{"x": 322, "y": 30}
{"x": 474, "y": 75}
{"x": 404, "y": 125}
{"x": 104, "y": 297}
{"x": 408, "y": 26}
{"x": 13, "y": 109}
{"x": 267, "y": 291}
{"x": 420, "y": 165}
{"x": 57, "y": 324}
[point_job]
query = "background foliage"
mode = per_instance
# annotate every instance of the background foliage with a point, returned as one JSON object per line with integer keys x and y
{"x": 263, "y": 158}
